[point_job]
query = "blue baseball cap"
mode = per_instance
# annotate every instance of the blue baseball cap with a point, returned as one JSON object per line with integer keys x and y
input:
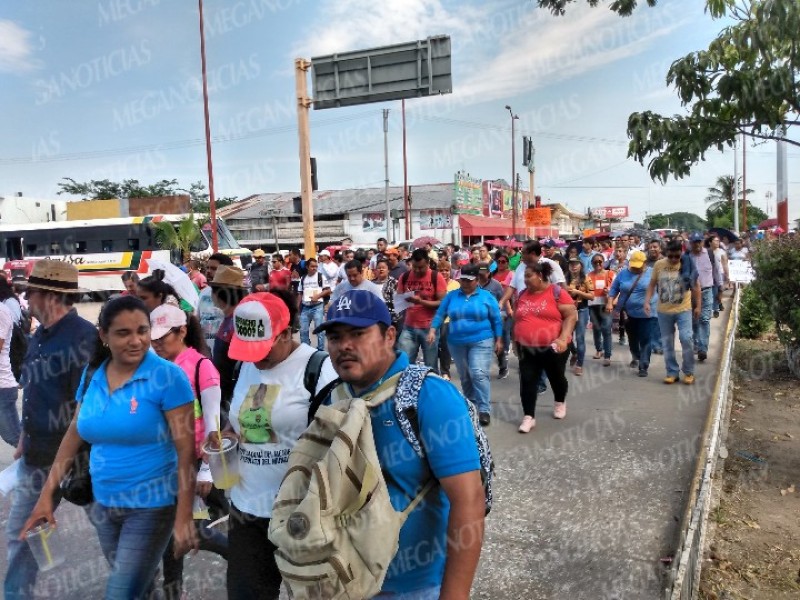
{"x": 356, "y": 308}
{"x": 696, "y": 237}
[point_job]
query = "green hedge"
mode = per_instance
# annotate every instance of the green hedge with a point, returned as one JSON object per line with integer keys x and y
{"x": 777, "y": 285}
{"x": 754, "y": 316}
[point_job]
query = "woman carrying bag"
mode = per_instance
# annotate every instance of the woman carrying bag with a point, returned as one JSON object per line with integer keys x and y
{"x": 544, "y": 320}
{"x": 627, "y": 293}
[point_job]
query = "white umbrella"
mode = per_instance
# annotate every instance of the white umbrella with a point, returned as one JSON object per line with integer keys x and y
{"x": 178, "y": 280}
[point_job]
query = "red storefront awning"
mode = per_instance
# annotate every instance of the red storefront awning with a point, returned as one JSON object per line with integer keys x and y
{"x": 476, "y": 226}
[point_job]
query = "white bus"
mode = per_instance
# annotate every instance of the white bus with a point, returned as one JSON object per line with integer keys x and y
{"x": 103, "y": 249}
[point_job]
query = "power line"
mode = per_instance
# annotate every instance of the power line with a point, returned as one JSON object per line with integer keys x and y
{"x": 178, "y": 144}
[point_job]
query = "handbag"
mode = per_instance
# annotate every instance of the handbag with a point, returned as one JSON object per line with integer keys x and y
{"x": 617, "y": 308}
{"x": 76, "y": 487}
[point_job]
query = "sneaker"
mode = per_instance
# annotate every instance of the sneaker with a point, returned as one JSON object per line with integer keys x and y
{"x": 527, "y": 424}
{"x": 670, "y": 379}
{"x": 573, "y": 359}
{"x": 716, "y": 314}
{"x": 606, "y": 362}
{"x": 503, "y": 374}
{"x": 597, "y": 355}
{"x": 688, "y": 379}
{"x": 701, "y": 356}
{"x": 658, "y": 351}
{"x": 484, "y": 419}
{"x": 578, "y": 371}
{"x": 642, "y": 372}
{"x": 542, "y": 389}
{"x": 633, "y": 364}
{"x": 622, "y": 341}
{"x": 446, "y": 376}
{"x": 559, "y": 410}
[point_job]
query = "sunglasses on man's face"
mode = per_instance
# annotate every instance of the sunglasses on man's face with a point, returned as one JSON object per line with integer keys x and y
{"x": 597, "y": 262}
{"x": 673, "y": 256}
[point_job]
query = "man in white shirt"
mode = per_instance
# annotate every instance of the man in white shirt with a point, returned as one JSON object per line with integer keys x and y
{"x": 314, "y": 291}
{"x": 210, "y": 316}
{"x": 354, "y": 273}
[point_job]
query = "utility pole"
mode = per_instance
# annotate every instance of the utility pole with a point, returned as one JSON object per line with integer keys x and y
{"x": 513, "y": 175}
{"x": 304, "y": 138}
{"x": 212, "y": 202}
{"x": 386, "y": 171}
{"x": 744, "y": 183}
{"x": 532, "y": 171}
{"x": 736, "y": 229}
{"x": 406, "y": 203}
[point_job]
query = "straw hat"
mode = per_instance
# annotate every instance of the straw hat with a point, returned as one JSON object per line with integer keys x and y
{"x": 54, "y": 276}
{"x": 229, "y": 277}
{"x": 258, "y": 253}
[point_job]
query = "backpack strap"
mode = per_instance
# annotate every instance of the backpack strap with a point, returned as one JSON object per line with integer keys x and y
{"x": 405, "y": 399}
{"x": 197, "y": 383}
{"x": 313, "y": 371}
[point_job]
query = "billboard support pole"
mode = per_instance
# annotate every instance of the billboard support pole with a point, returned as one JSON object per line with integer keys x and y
{"x": 406, "y": 204}
{"x": 212, "y": 202}
{"x": 389, "y": 236}
{"x": 304, "y": 139}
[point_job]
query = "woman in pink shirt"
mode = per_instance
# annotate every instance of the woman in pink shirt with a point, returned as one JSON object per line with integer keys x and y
{"x": 177, "y": 338}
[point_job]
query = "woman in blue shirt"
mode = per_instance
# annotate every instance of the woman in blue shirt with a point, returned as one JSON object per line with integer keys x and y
{"x": 627, "y": 293}
{"x": 136, "y": 410}
{"x": 474, "y": 320}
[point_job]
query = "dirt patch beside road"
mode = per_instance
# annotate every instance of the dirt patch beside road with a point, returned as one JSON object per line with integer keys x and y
{"x": 754, "y": 550}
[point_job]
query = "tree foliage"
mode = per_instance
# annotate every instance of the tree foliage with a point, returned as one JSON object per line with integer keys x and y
{"x": 677, "y": 220}
{"x": 745, "y": 82}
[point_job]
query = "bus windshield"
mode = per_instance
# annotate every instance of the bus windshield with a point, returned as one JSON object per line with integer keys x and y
{"x": 225, "y": 239}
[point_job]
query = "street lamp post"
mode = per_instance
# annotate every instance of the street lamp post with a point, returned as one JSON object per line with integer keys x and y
{"x": 513, "y": 175}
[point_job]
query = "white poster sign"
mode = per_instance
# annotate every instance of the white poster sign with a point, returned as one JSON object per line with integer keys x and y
{"x": 740, "y": 271}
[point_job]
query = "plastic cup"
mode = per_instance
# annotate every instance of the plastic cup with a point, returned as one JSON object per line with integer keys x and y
{"x": 224, "y": 463}
{"x": 45, "y": 544}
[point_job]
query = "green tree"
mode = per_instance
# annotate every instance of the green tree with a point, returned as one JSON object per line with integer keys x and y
{"x": 745, "y": 82}
{"x": 724, "y": 218}
{"x": 721, "y": 196}
{"x": 677, "y": 220}
{"x": 199, "y": 198}
{"x": 104, "y": 189}
{"x": 177, "y": 236}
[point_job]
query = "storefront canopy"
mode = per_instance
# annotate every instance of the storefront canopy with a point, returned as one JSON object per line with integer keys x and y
{"x": 476, "y": 226}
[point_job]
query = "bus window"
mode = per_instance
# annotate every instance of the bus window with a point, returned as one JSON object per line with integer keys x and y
{"x": 107, "y": 245}
{"x": 80, "y": 247}
{"x": 133, "y": 244}
{"x": 30, "y": 249}
{"x": 55, "y": 248}
{"x": 13, "y": 247}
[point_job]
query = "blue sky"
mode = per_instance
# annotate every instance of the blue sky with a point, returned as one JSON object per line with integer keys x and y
{"x": 112, "y": 90}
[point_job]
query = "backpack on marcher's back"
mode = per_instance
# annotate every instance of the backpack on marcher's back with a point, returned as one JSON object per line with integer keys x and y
{"x": 333, "y": 522}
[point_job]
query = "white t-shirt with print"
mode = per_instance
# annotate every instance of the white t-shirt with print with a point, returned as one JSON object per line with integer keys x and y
{"x": 270, "y": 430}
{"x": 6, "y": 326}
{"x": 309, "y": 285}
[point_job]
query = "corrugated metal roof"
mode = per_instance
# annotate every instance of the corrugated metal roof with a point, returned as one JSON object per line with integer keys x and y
{"x": 334, "y": 202}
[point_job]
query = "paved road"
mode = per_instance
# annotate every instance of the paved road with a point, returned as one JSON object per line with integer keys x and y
{"x": 584, "y": 508}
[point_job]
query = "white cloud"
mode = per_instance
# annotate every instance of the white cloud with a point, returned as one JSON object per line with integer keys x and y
{"x": 346, "y": 25}
{"x": 543, "y": 50}
{"x": 15, "y": 48}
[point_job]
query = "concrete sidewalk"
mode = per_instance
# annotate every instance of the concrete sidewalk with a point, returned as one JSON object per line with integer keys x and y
{"x": 588, "y": 507}
{"x": 585, "y": 508}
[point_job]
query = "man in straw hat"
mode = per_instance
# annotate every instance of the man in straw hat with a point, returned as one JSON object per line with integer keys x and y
{"x": 57, "y": 355}
{"x": 210, "y": 316}
{"x": 228, "y": 289}
{"x": 259, "y": 271}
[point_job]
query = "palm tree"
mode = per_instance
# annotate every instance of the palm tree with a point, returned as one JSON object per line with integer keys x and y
{"x": 721, "y": 196}
{"x": 177, "y": 236}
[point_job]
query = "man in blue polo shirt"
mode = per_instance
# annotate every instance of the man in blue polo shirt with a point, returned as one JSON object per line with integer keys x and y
{"x": 51, "y": 371}
{"x": 440, "y": 543}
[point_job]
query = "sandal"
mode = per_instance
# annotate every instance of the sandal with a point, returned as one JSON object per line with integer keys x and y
{"x": 598, "y": 355}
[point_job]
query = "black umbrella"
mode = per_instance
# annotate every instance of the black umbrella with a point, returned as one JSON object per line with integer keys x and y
{"x": 724, "y": 233}
{"x": 645, "y": 234}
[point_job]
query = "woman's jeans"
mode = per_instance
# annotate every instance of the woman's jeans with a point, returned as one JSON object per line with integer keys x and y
{"x": 473, "y": 362}
{"x": 9, "y": 417}
{"x": 532, "y": 363}
{"x": 579, "y": 336}
{"x": 133, "y": 541}
{"x": 640, "y": 338}
{"x": 601, "y": 329}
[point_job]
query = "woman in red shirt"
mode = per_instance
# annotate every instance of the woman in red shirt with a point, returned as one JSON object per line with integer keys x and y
{"x": 544, "y": 320}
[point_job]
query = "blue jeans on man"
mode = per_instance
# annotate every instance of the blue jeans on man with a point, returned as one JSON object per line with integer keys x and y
{"x": 22, "y": 568}
{"x": 667, "y": 323}
{"x": 473, "y": 362}
{"x": 312, "y": 313}
{"x": 412, "y": 340}
{"x": 701, "y": 327}
{"x": 133, "y": 541}
{"x": 10, "y": 428}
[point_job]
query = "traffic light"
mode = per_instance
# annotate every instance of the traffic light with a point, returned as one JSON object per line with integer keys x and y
{"x": 526, "y": 151}
{"x": 314, "y": 184}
